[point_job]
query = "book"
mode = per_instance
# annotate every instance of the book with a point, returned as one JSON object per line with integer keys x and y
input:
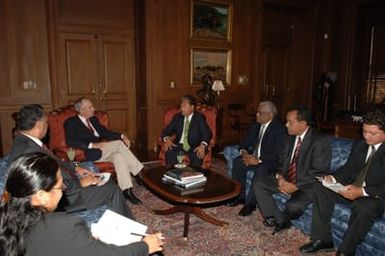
{"x": 183, "y": 182}
{"x": 195, "y": 183}
{"x": 184, "y": 173}
{"x": 113, "y": 228}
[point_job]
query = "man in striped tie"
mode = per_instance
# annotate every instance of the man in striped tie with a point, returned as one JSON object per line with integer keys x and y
{"x": 192, "y": 134}
{"x": 306, "y": 155}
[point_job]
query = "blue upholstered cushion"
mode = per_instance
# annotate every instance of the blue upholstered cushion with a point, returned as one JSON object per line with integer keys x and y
{"x": 230, "y": 153}
{"x": 340, "y": 152}
{"x": 3, "y": 172}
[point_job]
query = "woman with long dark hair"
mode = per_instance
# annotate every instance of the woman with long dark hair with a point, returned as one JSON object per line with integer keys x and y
{"x": 28, "y": 225}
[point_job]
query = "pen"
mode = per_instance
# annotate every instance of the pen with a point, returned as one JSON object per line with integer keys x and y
{"x": 144, "y": 234}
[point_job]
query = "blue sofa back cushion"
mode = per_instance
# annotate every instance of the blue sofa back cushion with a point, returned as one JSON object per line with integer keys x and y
{"x": 340, "y": 152}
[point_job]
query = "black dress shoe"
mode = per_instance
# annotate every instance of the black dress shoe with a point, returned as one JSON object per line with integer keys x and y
{"x": 139, "y": 180}
{"x": 281, "y": 226}
{"x": 269, "y": 222}
{"x": 338, "y": 253}
{"x": 129, "y": 195}
{"x": 317, "y": 246}
{"x": 247, "y": 210}
{"x": 236, "y": 201}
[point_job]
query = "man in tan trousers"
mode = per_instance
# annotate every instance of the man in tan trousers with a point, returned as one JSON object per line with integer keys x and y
{"x": 102, "y": 145}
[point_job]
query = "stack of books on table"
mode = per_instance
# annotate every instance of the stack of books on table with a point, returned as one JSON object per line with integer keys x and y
{"x": 184, "y": 178}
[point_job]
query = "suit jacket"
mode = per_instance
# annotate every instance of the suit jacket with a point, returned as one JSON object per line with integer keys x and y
{"x": 199, "y": 130}
{"x": 62, "y": 235}
{"x": 78, "y": 135}
{"x": 313, "y": 158}
{"x": 271, "y": 145}
{"x": 375, "y": 177}
{"x": 22, "y": 144}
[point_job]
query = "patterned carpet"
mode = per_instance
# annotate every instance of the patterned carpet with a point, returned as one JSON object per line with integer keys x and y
{"x": 243, "y": 235}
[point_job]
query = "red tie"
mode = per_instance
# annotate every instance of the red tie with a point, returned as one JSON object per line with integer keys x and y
{"x": 292, "y": 172}
{"x": 89, "y": 126}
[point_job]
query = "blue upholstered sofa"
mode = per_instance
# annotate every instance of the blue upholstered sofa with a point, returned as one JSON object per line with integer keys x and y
{"x": 374, "y": 243}
{"x": 90, "y": 216}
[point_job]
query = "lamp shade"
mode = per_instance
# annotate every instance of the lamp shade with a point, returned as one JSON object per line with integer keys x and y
{"x": 218, "y": 86}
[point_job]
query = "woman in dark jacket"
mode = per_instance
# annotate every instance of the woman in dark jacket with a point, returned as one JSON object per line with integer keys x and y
{"x": 28, "y": 225}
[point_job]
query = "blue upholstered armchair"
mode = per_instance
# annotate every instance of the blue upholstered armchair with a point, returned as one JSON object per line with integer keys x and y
{"x": 374, "y": 243}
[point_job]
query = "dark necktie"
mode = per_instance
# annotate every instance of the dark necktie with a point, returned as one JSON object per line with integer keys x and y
{"x": 292, "y": 172}
{"x": 259, "y": 140}
{"x": 51, "y": 154}
{"x": 89, "y": 125}
{"x": 360, "y": 179}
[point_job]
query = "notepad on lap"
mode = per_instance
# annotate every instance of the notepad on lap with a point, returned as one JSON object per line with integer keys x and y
{"x": 113, "y": 228}
{"x": 336, "y": 187}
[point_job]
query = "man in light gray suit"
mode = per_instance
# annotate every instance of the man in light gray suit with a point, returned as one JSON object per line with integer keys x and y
{"x": 82, "y": 193}
{"x": 306, "y": 155}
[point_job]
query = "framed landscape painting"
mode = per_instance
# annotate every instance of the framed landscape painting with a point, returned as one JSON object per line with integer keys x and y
{"x": 210, "y": 20}
{"x": 215, "y": 62}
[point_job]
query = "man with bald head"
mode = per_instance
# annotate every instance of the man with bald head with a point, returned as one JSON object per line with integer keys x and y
{"x": 259, "y": 152}
{"x": 102, "y": 145}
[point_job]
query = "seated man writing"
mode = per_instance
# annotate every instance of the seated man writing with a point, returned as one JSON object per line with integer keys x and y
{"x": 102, "y": 145}
{"x": 81, "y": 193}
{"x": 192, "y": 134}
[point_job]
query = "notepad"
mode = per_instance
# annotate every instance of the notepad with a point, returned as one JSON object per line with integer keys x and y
{"x": 113, "y": 228}
{"x": 336, "y": 187}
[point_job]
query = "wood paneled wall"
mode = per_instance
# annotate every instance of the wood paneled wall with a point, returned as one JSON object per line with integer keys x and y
{"x": 168, "y": 46}
{"x": 160, "y": 30}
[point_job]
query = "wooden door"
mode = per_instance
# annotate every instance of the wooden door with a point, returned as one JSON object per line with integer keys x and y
{"x": 276, "y": 49}
{"x": 275, "y": 72}
{"x": 78, "y": 67}
{"x": 118, "y": 82}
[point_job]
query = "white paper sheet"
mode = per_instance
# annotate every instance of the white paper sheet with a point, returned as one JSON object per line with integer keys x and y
{"x": 113, "y": 228}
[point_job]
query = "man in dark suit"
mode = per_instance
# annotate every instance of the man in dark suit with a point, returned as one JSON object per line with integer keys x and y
{"x": 363, "y": 176}
{"x": 192, "y": 134}
{"x": 306, "y": 155}
{"x": 100, "y": 144}
{"x": 259, "y": 152}
{"x": 81, "y": 193}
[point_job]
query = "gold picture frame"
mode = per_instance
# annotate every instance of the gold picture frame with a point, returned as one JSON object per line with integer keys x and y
{"x": 211, "y": 20}
{"x": 215, "y": 62}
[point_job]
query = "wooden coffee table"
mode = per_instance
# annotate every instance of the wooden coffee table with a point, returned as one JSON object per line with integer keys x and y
{"x": 218, "y": 188}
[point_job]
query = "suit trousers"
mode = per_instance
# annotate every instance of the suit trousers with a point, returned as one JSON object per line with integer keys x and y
{"x": 171, "y": 156}
{"x": 239, "y": 173}
{"x": 265, "y": 186}
{"x": 109, "y": 194}
{"x": 364, "y": 211}
{"x": 125, "y": 162}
